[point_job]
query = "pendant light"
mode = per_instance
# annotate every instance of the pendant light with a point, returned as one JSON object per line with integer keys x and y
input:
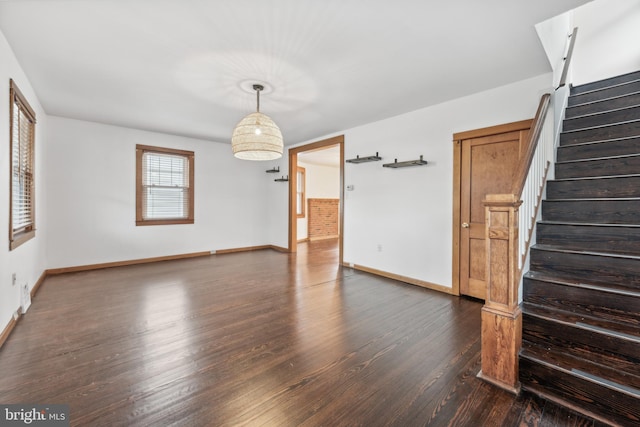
{"x": 257, "y": 137}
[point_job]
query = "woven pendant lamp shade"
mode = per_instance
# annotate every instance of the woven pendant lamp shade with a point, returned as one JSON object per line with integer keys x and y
{"x": 257, "y": 137}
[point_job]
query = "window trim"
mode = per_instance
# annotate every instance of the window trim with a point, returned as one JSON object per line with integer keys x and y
{"x": 301, "y": 181}
{"x": 140, "y": 150}
{"x": 17, "y": 238}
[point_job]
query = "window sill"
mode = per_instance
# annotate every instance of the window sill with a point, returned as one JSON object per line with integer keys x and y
{"x": 164, "y": 222}
{"x": 20, "y": 238}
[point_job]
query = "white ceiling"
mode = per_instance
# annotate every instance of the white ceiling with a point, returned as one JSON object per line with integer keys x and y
{"x": 183, "y": 66}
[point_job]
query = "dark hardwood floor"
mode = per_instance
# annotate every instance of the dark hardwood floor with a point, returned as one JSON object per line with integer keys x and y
{"x": 257, "y": 338}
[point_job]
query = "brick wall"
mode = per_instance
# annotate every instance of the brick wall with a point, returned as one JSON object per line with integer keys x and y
{"x": 323, "y": 218}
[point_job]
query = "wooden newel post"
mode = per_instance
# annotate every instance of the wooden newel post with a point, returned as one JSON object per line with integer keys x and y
{"x": 501, "y": 315}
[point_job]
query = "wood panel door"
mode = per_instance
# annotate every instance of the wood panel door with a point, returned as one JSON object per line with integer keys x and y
{"x": 487, "y": 164}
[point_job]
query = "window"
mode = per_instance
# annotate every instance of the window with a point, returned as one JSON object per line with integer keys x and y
{"x": 300, "y": 202}
{"x": 22, "y": 224}
{"x": 164, "y": 186}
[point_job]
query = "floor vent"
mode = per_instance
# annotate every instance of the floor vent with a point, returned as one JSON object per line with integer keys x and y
{"x": 25, "y": 298}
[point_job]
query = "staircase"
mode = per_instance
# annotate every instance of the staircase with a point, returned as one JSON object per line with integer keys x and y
{"x": 581, "y": 297}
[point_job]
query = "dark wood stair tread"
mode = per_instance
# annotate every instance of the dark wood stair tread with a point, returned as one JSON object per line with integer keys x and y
{"x": 602, "y": 118}
{"x": 603, "y": 301}
{"x": 595, "y": 224}
{"x": 616, "y": 350}
{"x": 598, "y": 149}
{"x": 588, "y": 370}
{"x": 583, "y": 321}
{"x": 590, "y": 265}
{"x": 598, "y": 199}
{"x": 600, "y": 113}
{"x": 593, "y": 159}
{"x": 605, "y": 83}
{"x": 589, "y": 88}
{"x": 582, "y": 284}
{"x": 586, "y": 178}
{"x": 602, "y": 93}
{"x": 595, "y": 187}
{"x": 619, "y": 165}
{"x": 552, "y": 248}
{"x": 564, "y": 388}
{"x": 608, "y": 104}
{"x": 609, "y": 238}
{"x": 623, "y": 129}
{"x": 597, "y": 141}
{"x": 594, "y": 128}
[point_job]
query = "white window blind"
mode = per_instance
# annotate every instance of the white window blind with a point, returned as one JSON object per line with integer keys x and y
{"x": 300, "y": 185}
{"x": 23, "y": 122}
{"x": 165, "y": 183}
{"x": 22, "y": 167}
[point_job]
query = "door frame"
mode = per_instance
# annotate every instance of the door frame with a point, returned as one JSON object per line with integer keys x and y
{"x": 293, "y": 177}
{"x": 457, "y": 185}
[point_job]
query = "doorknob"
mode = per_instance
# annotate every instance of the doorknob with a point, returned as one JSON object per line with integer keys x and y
{"x": 465, "y": 225}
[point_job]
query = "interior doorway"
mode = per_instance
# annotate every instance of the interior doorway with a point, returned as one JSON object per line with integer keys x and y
{"x": 294, "y": 190}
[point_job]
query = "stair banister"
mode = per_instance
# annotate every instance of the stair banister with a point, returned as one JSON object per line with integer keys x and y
{"x": 567, "y": 59}
{"x": 509, "y": 221}
{"x": 531, "y": 176}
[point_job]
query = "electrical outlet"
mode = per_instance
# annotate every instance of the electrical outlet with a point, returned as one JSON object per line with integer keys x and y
{"x": 14, "y": 279}
{"x": 379, "y": 247}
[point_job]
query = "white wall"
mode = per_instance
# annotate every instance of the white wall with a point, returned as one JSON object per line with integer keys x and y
{"x": 554, "y": 36}
{"x": 322, "y": 182}
{"x": 92, "y": 197}
{"x": 407, "y": 212}
{"x": 28, "y": 260}
{"x": 608, "y": 40}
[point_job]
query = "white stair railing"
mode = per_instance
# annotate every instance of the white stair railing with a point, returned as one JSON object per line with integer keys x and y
{"x": 531, "y": 194}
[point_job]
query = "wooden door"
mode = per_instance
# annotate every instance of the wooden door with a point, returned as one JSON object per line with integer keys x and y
{"x": 486, "y": 166}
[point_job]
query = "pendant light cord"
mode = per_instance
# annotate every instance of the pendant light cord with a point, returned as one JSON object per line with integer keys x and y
{"x": 258, "y": 88}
